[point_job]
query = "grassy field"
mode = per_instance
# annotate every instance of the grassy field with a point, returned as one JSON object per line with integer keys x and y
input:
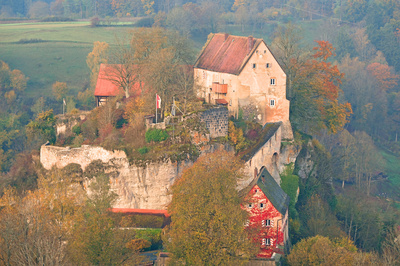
{"x": 392, "y": 168}
{"x": 61, "y": 56}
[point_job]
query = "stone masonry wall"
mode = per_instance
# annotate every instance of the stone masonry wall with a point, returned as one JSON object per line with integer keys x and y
{"x": 216, "y": 121}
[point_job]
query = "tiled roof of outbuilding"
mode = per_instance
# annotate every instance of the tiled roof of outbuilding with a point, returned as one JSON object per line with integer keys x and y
{"x": 226, "y": 53}
{"x": 105, "y": 85}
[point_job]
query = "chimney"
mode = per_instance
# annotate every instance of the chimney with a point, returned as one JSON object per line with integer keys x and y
{"x": 249, "y": 44}
{"x": 226, "y": 35}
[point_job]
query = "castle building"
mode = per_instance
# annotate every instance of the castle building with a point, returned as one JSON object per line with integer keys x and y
{"x": 267, "y": 205}
{"x": 243, "y": 74}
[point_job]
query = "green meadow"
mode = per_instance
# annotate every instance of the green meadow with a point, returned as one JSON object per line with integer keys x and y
{"x": 59, "y": 56}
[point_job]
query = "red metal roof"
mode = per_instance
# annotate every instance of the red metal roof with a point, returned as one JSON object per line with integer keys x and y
{"x": 105, "y": 85}
{"x": 140, "y": 211}
{"x": 226, "y": 53}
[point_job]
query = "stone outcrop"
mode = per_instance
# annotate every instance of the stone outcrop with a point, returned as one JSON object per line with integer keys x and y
{"x": 137, "y": 187}
{"x": 148, "y": 186}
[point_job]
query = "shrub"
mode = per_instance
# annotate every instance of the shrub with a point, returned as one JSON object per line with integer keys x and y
{"x": 94, "y": 22}
{"x": 143, "y": 150}
{"x": 145, "y": 22}
{"x": 77, "y": 130}
{"x": 156, "y": 135}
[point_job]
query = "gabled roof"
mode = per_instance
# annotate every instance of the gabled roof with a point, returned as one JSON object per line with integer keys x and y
{"x": 105, "y": 85}
{"x": 268, "y": 131}
{"x": 271, "y": 190}
{"x": 226, "y": 53}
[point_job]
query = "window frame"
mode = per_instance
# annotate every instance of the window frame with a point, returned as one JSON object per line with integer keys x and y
{"x": 272, "y": 82}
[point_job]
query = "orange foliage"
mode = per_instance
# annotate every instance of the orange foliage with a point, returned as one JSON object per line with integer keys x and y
{"x": 383, "y": 75}
{"x": 326, "y": 82}
{"x": 324, "y": 50}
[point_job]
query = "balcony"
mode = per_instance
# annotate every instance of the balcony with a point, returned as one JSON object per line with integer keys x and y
{"x": 219, "y": 88}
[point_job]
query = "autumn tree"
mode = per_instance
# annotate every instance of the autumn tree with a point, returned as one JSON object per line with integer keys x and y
{"x": 96, "y": 57}
{"x": 316, "y": 89}
{"x": 384, "y": 75}
{"x": 60, "y": 90}
{"x": 320, "y": 250}
{"x": 42, "y": 128}
{"x": 94, "y": 239}
{"x": 207, "y": 221}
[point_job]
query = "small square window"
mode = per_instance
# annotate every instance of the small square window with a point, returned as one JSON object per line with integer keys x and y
{"x": 256, "y": 190}
{"x": 273, "y": 81}
{"x": 254, "y": 66}
{"x": 250, "y": 205}
{"x": 262, "y": 205}
{"x": 272, "y": 102}
{"x": 268, "y": 65}
{"x": 266, "y": 242}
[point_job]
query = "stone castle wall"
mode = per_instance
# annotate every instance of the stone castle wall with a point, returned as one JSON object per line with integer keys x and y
{"x": 62, "y": 156}
{"x": 216, "y": 121}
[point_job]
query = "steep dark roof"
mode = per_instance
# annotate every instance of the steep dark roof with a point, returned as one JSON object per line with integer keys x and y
{"x": 226, "y": 53}
{"x": 268, "y": 131}
{"x": 271, "y": 189}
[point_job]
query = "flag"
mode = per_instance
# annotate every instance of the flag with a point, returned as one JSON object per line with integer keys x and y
{"x": 158, "y": 100}
{"x": 64, "y": 102}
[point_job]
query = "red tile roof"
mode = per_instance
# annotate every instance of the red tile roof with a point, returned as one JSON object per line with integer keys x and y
{"x": 221, "y": 101}
{"x": 227, "y": 54}
{"x": 140, "y": 211}
{"x": 105, "y": 85}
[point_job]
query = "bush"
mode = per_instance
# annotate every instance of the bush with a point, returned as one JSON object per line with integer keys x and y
{"x": 156, "y": 135}
{"x": 77, "y": 130}
{"x": 143, "y": 150}
{"x": 57, "y": 19}
{"x": 145, "y": 22}
{"x": 22, "y": 41}
{"x": 94, "y": 22}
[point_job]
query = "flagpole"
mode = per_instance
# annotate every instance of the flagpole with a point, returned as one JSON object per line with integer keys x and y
{"x": 156, "y": 107}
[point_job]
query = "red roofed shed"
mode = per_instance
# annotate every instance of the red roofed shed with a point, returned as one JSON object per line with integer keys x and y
{"x": 107, "y": 84}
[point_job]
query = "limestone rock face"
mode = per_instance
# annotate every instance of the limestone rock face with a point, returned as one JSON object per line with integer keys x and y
{"x": 304, "y": 162}
{"x": 146, "y": 187}
{"x": 137, "y": 187}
